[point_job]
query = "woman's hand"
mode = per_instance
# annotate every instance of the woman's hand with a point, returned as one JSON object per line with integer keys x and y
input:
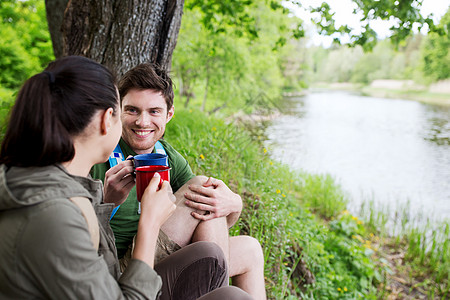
{"x": 157, "y": 204}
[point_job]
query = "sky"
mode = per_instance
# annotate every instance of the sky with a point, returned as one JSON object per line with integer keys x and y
{"x": 344, "y": 15}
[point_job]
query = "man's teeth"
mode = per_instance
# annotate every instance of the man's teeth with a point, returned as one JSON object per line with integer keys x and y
{"x": 142, "y": 132}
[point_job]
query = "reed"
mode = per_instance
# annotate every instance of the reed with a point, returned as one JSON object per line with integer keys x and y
{"x": 425, "y": 244}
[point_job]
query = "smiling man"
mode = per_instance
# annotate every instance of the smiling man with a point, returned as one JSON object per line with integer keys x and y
{"x": 142, "y": 130}
{"x": 206, "y": 207}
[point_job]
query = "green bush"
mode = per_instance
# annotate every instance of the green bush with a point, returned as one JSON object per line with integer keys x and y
{"x": 26, "y": 47}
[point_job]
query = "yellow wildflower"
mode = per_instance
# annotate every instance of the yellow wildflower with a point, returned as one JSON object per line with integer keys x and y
{"x": 265, "y": 150}
{"x": 278, "y": 191}
{"x": 270, "y": 163}
{"x": 214, "y": 129}
{"x": 202, "y": 156}
{"x": 283, "y": 195}
{"x": 345, "y": 289}
{"x": 339, "y": 289}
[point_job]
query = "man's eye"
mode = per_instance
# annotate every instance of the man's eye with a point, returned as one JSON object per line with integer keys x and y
{"x": 131, "y": 110}
{"x": 154, "y": 111}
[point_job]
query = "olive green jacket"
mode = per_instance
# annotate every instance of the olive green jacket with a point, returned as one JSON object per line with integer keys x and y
{"x": 46, "y": 250}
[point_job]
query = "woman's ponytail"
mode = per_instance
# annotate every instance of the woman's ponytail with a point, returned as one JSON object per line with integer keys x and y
{"x": 52, "y": 107}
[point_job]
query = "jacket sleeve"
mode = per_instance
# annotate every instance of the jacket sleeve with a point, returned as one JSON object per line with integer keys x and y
{"x": 60, "y": 260}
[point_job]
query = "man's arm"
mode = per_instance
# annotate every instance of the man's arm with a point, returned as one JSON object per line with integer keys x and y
{"x": 214, "y": 197}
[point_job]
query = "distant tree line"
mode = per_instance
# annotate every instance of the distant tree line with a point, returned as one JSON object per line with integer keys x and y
{"x": 423, "y": 58}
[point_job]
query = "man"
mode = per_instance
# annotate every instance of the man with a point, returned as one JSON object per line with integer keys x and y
{"x": 206, "y": 207}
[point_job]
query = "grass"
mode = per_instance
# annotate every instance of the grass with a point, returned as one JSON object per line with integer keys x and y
{"x": 424, "y": 246}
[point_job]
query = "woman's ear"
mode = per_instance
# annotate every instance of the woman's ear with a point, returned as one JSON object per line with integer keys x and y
{"x": 106, "y": 120}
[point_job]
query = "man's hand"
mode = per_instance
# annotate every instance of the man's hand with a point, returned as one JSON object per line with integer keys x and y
{"x": 216, "y": 198}
{"x": 118, "y": 182}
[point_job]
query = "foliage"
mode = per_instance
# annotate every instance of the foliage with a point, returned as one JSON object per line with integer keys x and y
{"x": 26, "y": 47}
{"x": 6, "y": 102}
{"x": 404, "y": 14}
{"x": 218, "y": 70}
{"x": 234, "y": 16}
{"x": 435, "y": 52}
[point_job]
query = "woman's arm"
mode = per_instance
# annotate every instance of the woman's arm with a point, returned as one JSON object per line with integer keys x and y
{"x": 56, "y": 254}
{"x": 156, "y": 207}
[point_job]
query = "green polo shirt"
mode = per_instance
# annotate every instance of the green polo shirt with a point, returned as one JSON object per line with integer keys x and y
{"x": 125, "y": 222}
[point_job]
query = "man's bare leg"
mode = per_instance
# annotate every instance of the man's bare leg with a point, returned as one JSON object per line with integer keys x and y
{"x": 245, "y": 253}
{"x": 247, "y": 265}
{"x": 216, "y": 231}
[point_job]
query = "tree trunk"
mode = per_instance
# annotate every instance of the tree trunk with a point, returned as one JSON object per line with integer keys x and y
{"x": 55, "y": 15}
{"x": 121, "y": 34}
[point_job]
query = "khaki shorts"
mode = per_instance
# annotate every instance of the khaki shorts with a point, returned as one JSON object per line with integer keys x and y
{"x": 164, "y": 247}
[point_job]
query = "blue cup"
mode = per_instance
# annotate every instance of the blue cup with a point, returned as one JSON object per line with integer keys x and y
{"x": 150, "y": 159}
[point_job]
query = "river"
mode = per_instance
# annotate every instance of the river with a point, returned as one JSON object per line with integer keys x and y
{"x": 391, "y": 151}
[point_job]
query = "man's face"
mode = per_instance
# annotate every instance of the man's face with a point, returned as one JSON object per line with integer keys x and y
{"x": 144, "y": 119}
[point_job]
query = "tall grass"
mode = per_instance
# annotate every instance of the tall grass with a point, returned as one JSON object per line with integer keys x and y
{"x": 425, "y": 244}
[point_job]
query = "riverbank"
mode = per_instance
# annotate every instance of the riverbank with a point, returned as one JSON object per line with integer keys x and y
{"x": 304, "y": 256}
{"x": 437, "y": 94}
{"x": 313, "y": 247}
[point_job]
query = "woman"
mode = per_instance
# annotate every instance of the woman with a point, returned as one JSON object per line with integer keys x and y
{"x": 65, "y": 120}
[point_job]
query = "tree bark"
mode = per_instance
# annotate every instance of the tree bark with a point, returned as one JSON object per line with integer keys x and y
{"x": 55, "y": 15}
{"x": 121, "y": 34}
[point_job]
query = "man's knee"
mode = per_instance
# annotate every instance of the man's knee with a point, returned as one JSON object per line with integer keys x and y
{"x": 254, "y": 247}
{"x": 249, "y": 247}
{"x": 199, "y": 179}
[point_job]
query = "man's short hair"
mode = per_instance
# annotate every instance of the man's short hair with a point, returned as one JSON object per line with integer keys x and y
{"x": 148, "y": 76}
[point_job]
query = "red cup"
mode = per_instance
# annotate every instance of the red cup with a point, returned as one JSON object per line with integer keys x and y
{"x": 145, "y": 173}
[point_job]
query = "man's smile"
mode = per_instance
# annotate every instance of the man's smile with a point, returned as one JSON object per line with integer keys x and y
{"x": 143, "y": 133}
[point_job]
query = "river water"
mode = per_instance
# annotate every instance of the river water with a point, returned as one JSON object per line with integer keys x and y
{"x": 391, "y": 151}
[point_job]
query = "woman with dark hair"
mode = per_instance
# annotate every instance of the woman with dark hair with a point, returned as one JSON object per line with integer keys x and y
{"x": 56, "y": 242}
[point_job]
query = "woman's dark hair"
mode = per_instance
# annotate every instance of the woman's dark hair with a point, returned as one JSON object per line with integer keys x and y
{"x": 54, "y": 106}
{"x": 148, "y": 76}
